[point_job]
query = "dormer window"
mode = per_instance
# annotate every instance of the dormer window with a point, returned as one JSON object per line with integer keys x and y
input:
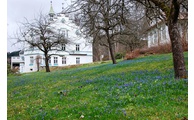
{"x": 31, "y": 48}
{"x": 63, "y": 20}
{"x": 77, "y": 47}
{"x": 77, "y": 32}
{"x": 63, "y": 47}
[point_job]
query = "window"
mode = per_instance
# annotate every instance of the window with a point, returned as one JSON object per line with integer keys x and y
{"x": 155, "y": 37}
{"x": 63, "y": 47}
{"x": 164, "y": 33}
{"x": 55, "y": 60}
{"x": 43, "y": 61}
{"x": 31, "y": 60}
{"x": 77, "y": 32}
{"x": 64, "y": 60}
{"x": 63, "y": 33}
{"x": 77, "y": 47}
{"x": 77, "y": 60}
{"x": 31, "y": 48}
{"x": 49, "y": 61}
{"x": 22, "y": 57}
{"x": 63, "y": 20}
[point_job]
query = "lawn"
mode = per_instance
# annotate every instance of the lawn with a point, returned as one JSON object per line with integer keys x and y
{"x": 140, "y": 89}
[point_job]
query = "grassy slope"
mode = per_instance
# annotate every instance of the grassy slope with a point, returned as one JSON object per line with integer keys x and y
{"x": 143, "y": 88}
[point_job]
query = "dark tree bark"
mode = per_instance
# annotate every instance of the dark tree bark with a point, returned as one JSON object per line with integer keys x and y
{"x": 47, "y": 65}
{"x": 38, "y": 58}
{"x": 46, "y": 62}
{"x": 170, "y": 12}
{"x": 110, "y": 48}
{"x": 177, "y": 49}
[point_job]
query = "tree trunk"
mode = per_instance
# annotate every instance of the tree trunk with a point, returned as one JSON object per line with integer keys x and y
{"x": 177, "y": 50}
{"x": 110, "y": 48}
{"x": 46, "y": 63}
{"x": 37, "y": 63}
{"x": 38, "y": 67}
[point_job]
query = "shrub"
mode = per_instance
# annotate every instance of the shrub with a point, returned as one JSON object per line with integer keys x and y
{"x": 14, "y": 71}
{"x": 161, "y": 49}
{"x": 185, "y": 45}
{"x": 132, "y": 55}
{"x": 119, "y": 56}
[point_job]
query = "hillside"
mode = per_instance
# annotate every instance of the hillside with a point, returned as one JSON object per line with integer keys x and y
{"x": 143, "y": 88}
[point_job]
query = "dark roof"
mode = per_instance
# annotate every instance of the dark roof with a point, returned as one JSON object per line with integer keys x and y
{"x": 21, "y": 52}
{"x": 14, "y": 53}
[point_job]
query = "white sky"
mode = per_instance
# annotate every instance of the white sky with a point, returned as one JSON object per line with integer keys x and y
{"x": 17, "y": 10}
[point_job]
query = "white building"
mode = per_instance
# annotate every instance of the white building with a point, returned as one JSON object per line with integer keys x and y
{"x": 78, "y": 51}
{"x": 158, "y": 34}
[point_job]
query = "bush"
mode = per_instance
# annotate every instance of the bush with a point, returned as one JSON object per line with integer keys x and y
{"x": 132, "y": 55}
{"x": 14, "y": 71}
{"x": 119, "y": 56}
{"x": 161, "y": 49}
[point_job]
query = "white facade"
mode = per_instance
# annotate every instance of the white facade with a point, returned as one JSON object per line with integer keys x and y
{"x": 78, "y": 51}
{"x": 158, "y": 34}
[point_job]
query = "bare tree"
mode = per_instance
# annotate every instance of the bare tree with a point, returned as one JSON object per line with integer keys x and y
{"x": 169, "y": 11}
{"x": 40, "y": 33}
{"x": 38, "y": 62}
{"x": 131, "y": 35}
{"x": 106, "y": 18}
{"x": 103, "y": 19}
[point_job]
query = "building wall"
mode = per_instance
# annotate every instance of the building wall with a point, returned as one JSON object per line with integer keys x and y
{"x": 70, "y": 60}
{"x": 84, "y": 53}
{"x": 158, "y": 34}
{"x": 28, "y": 66}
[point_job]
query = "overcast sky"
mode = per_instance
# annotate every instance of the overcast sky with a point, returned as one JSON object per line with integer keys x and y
{"x": 17, "y": 10}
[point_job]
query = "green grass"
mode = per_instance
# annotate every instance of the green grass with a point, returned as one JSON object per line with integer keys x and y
{"x": 142, "y": 89}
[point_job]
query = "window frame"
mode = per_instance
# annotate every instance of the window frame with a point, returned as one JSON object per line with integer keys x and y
{"x": 49, "y": 61}
{"x": 31, "y": 60}
{"x": 77, "y": 47}
{"x": 63, "y": 47}
{"x": 64, "y": 60}
{"x": 55, "y": 60}
{"x": 77, "y": 60}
